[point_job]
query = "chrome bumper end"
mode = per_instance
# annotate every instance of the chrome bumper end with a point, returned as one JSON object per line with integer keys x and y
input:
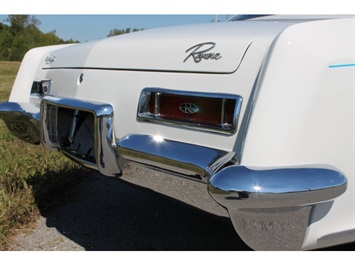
{"x": 270, "y": 209}
{"x": 22, "y": 119}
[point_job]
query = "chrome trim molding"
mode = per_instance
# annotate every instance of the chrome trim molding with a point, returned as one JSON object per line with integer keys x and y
{"x": 144, "y": 116}
{"x": 189, "y": 160}
{"x": 107, "y": 160}
{"x": 270, "y": 208}
{"x": 22, "y": 119}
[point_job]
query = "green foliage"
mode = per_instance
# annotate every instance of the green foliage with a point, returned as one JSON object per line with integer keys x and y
{"x": 6, "y": 40}
{"x": 8, "y": 71}
{"x": 23, "y": 34}
{"x": 19, "y": 23}
{"x": 115, "y": 32}
{"x": 30, "y": 176}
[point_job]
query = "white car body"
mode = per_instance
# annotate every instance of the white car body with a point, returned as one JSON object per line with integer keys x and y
{"x": 284, "y": 168}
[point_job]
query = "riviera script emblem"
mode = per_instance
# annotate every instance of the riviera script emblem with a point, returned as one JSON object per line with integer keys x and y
{"x": 188, "y": 108}
{"x": 49, "y": 59}
{"x": 201, "y": 51}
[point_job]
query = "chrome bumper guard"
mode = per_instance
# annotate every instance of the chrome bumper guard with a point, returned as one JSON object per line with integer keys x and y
{"x": 102, "y": 154}
{"x": 270, "y": 209}
{"x": 22, "y": 119}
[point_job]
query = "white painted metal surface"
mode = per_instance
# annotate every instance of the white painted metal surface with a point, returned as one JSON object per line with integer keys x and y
{"x": 302, "y": 112}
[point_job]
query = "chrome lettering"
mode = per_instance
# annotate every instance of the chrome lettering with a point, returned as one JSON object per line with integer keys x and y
{"x": 200, "y": 51}
{"x": 50, "y": 59}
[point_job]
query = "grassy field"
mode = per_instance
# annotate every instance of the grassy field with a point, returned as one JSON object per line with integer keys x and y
{"x": 30, "y": 177}
{"x": 8, "y": 71}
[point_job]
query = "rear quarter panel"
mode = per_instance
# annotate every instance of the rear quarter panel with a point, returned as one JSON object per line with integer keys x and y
{"x": 304, "y": 112}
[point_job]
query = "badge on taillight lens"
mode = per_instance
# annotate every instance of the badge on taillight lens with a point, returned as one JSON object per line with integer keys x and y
{"x": 205, "y": 111}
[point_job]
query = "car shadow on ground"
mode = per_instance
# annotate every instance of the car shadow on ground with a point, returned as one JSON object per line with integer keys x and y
{"x": 104, "y": 213}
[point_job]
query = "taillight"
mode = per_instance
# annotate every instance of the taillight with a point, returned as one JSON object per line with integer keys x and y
{"x": 206, "y": 111}
{"x": 41, "y": 88}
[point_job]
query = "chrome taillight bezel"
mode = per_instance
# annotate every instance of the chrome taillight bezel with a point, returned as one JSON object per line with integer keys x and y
{"x": 39, "y": 90}
{"x": 149, "y": 95}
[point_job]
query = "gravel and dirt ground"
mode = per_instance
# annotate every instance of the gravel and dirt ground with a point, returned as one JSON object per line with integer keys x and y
{"x": 107, "y": 214}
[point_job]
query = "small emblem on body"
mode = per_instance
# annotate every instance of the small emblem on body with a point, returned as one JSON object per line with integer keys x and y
{"x": 188, "y": 108}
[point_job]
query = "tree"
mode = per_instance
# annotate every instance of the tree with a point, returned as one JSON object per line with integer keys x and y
{"x": 20, "y": 22}
{"x": 21, "y": 34}
{"x": 115, "y": 32}
{"x": 6, "y": 40}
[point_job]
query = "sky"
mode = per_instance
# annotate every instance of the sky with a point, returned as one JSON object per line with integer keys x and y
{"x": 91, "y": 27}
{"x": 86, "y": 20}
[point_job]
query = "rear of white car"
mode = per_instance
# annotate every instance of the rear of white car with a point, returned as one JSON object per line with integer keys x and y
{"x": 259, "y": 111}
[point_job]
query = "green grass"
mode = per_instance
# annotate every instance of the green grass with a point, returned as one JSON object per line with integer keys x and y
{"x": 8, "y": 71}
{"x": 30, "y": 176}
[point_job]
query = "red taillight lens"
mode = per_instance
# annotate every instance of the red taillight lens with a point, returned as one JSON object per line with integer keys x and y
{"x": 197, "y": 110}
{"x": 202, "y": 110}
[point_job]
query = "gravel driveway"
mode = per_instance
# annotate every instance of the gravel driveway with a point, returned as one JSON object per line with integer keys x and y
{"x": 108, "y": 214}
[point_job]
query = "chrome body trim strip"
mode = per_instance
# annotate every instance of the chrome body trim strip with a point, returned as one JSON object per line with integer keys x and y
{"x": 22, "y": 119}
{"x": 144, "y": 117}
{"x": 107, "y": 160}
{"x": 270, "y": 208}
{"x": 185, "y": 159}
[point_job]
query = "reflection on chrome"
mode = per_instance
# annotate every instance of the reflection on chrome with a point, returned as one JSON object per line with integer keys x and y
{"x": 158, "y": 139}
{"x": 95, "y": 148}
{"x": 257, "y": 188}
{"x": 145, "y": 113}
{"x": 274, "y": 205}
{"x": 188, "y": 160}
{"x": 22, "y": 119}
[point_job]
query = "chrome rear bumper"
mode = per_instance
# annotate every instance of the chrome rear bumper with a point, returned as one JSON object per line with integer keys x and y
{"x": 68, "y": 135}
{"x": 270, "y": 209}
{"x": 183, "y": 159}
{"x": 22, "y": 119}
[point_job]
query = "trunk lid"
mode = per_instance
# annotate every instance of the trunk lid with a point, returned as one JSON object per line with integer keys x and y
{"x": 214, "y": 47}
